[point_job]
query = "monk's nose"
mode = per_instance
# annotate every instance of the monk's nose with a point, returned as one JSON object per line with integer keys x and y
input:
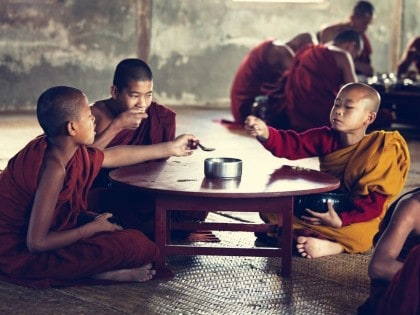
{"x": 142, "y": 102}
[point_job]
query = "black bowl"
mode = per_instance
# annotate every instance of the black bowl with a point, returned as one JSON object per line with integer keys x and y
{"x": 318, "y": 203}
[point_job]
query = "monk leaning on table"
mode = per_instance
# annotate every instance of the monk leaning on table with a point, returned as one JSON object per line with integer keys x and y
{"x": 372, "y": 169}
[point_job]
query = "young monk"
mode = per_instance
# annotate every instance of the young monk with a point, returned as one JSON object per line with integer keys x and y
{"x": 131, "y": 117}
{"x": 43, "y": 194}
{"x": 395, "y": 264}
{"x": 372, "y": 169}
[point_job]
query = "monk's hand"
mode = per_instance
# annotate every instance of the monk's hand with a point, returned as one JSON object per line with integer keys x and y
{"x": 184, "y": 145}
{"x": 102, "y": 223}
{"x": 329, "y": 218}
{"x": 131, "y": 119}
{"x": 256, "y": 127}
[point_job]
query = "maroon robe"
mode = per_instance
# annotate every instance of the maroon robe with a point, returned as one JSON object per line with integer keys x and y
{"x": 312, "y": 85}
{"x": 256, "y": 77}
{"x": 75, "y": 263}
{"x": 402, "y": 294}
{"x": 135, "y": 209}
{"x": 158, "y": 127}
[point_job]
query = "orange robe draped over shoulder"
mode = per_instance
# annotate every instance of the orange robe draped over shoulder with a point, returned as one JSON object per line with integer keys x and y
{"x": 378, "y": 163}
{"x": 313, "y": 82}
{"x": 75, "y": 263}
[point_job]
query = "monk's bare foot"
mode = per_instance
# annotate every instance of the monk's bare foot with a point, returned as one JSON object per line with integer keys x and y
{"x": 311, "y": 247}
{"x": 141, "y": 274}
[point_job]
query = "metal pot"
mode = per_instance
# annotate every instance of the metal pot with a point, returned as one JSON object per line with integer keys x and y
{"x": 222, "y": 167}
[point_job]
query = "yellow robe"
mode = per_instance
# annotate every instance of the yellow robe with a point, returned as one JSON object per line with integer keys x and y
{"x": 378, "y": 163}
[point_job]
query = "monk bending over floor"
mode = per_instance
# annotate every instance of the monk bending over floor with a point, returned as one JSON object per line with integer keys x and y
{"x": 131, "y": 117}
{"x": 315, "y": 77}
{"x": 372, "y": 169}
{"x": 261, "y": 74}
{"x": 48, "y": 236}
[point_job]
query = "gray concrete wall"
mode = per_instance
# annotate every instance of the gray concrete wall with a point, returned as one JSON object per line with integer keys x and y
{"x": 195, "y": 48}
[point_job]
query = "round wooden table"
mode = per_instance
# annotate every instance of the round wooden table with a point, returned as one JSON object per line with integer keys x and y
{"x": 180, "y": 184}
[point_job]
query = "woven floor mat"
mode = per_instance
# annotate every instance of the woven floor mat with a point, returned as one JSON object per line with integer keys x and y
{"x": 213, "y": 285}
{"x": 241, "y": 285}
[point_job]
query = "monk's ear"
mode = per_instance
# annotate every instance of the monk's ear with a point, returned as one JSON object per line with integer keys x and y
{"x": 71, "y": 128}
{"x": 371, "y": 117}
{"x": 114, "y": 92}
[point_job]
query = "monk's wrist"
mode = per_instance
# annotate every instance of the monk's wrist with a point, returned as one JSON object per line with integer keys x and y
{"x": 116, "y": 126}
{"x": 85, "y": 231}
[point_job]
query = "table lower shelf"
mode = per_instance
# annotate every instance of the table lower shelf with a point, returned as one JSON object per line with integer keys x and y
{"x": 283, "y": 205}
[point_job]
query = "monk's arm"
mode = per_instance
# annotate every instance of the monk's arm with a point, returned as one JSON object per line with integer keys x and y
{"x": 131, "y": 154}
{"x": 412, "y": 49}
{"x": 107, "y": 130}
{"x": 346, "y": 64}
{"x": 364, "y": 68}
{"x": 40, "y": 237}
{"x": 384, "y": 264}
{"x": 105, "y": 137}
{"x": 326, "y": 35}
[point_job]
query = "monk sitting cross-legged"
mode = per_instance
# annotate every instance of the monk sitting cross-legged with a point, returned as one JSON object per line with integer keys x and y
{"x": 372, "y": 169}
{"x": 131, "y": 117}
{"x": 49, "y": 237}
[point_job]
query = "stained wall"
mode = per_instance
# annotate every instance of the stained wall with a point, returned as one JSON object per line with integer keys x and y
{"x": 193, "y": 46}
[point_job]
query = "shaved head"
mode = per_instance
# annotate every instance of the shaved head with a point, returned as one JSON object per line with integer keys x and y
{"x": 57, "y": 106}
{"x": 368, "y": 95}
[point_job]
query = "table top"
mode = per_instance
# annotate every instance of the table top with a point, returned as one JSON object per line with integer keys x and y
{"x": 185, "y": 176}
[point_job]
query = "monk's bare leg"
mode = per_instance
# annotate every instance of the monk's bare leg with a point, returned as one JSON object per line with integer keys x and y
{"x": 141, "y": 274}
{"x": 311, "y": 247}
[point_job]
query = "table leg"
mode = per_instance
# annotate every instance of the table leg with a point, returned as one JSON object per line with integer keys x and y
{"x": 161, "y": 238}
{"x": 285, "y": 220}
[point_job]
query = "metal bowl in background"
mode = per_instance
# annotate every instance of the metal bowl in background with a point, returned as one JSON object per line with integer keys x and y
{"x": 222, "y": 167}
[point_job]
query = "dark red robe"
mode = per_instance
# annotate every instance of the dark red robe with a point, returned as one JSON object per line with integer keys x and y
{"x": 133, "y": 208}
{"x": 312, "y": 85}
{"x": 402, "y": 294}
{"x": 75, "y": 263}
{"x": 256, "y": 77}
{"x": 158, "y": 127}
